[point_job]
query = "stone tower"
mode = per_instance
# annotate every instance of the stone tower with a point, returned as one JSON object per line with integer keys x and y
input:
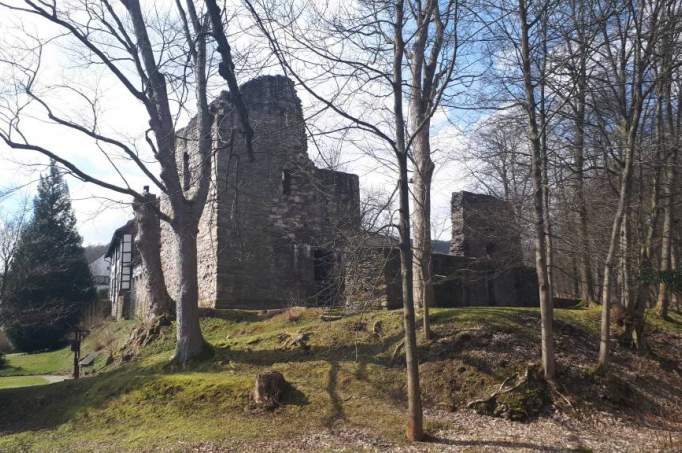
{"x": 484, "y": 226}
{"x": 268, "y": 233}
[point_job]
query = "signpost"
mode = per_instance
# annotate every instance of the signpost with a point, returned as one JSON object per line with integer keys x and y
{"x": 78, "y": 335}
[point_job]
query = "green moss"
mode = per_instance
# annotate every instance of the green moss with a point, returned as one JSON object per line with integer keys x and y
{"x": 671, "y": 325}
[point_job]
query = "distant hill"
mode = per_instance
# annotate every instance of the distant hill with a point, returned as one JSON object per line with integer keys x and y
{"x": 92, "y": 252}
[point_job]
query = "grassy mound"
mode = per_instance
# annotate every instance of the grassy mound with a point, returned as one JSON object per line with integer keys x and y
{"x": 341, "y": 374}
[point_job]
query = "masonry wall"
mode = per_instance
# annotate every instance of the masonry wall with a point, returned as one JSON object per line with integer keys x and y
{"x": 278, "y": 215}
{"x": 484, "y": 226}
{"x": 271, "y": 224}
{"x": 458, "y": 281}
{"x": 207, "y": 233}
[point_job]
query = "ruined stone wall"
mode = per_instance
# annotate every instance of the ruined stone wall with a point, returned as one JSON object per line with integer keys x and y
{"x": 458, "y": 281}
{"x": 277, "y": 213}
{"x": 269, "y": 219}
{"x": 371, "y": 278}
{"x": 207, "y": 233}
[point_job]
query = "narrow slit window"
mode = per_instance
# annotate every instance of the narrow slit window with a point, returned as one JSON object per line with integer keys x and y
{"x": 185, "y": 171}
{"x": 286, "y": 182}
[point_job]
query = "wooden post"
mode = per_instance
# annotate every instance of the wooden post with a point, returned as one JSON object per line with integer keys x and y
{"x": 76, "y": 348}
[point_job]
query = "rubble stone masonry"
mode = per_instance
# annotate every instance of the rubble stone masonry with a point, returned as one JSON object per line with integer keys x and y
{"x": 271, "y": 222}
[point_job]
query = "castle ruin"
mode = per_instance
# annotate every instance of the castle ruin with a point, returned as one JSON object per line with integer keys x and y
{"x": 273, "y": 230}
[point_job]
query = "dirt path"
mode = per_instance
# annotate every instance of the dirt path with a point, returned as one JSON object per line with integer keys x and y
{"x": 52, "y": 378}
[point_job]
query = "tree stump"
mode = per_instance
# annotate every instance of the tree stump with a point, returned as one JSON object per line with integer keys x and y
{"x": 269, "y": 389}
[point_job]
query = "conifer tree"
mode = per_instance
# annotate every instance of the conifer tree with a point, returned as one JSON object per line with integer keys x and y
{"x": 49, "y": 282}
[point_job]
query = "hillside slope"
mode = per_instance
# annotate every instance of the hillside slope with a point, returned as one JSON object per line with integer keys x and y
{"x": 347, "y": 389}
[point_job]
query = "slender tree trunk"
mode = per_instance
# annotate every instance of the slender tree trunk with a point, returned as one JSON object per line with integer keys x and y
{"x": 423, "y": 282}
{"x": 626, "y": 299}
{"x": 674, "y": 253}
{"x": 585, "y": 264}
{"x": 663, "y": 302}
{"x": 415, "y": 431}
{"x": 546, "y": 303}
{"x": 148, "y": 243}
{"x": 633, "y": 323}
{"x": 415, "y": 424}
{"x": 190, "y": 342}
{"x": 549, "y": 248}
{"x": 623, "y": 201}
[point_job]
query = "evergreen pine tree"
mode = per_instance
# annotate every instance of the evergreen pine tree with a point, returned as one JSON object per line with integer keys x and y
{"x": 49, "y": 282}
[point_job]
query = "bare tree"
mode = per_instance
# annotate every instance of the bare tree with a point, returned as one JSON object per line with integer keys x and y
{"x": 432, "y": 60}
{"x": 519, "y": 48}
{"x": 625, "y": 54}
{"x": 363, "y": 50}
{"x": 164, "y": 66}
{"x": 669, "y": 87}
{"x": 11, "y": 226}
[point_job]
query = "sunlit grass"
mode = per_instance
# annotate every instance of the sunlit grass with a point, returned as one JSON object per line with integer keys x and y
{"x": 21, "y": 381}
{"x": 344, "y": 376}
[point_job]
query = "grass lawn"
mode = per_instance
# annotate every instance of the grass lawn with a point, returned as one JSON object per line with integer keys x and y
{"x": 60, "y": 361}
{"x": 53, "y": 362}
{"x": 21, "y": 381}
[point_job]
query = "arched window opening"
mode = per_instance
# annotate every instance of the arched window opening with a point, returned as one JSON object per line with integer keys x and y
{"x": 286, "y": 182}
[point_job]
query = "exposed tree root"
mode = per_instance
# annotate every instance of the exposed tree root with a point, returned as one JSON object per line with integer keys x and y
{"x": 397, "y": 351}
{"x": 501, "y": 390}
{"x": 520, "y": 401}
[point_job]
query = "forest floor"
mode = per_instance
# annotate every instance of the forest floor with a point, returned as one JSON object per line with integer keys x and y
{"x": 347, "y": 388}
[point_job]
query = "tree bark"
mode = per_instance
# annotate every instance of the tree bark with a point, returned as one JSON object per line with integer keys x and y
{"x": 415, "y": 424}
{"x": 676, "y": 299}
{"x": 190, "y": 342}
{"x": 549, "y": 247}
{"x": 663, "y": 301}
{"x": 148, "y": 243}
{"x": 423, "y": 273}
{"x": 546, "y": 303}
{"x": 623, "y": 201}
{"x": 585, "y": 264}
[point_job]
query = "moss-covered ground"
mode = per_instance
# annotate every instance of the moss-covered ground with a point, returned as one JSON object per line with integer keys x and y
{"x": 344, "y": 375}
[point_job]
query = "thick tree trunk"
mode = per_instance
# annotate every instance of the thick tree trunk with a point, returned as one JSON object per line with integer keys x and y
{"x": 190, "y": 343}
{"x": 546, "y": 303}
{"x": 148, "y": 243}
{"x": 423, "y": 279}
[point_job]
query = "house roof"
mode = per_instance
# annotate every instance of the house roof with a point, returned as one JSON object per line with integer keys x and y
{"x": 128, "y": 228}
{"x": 99, "y": 266}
